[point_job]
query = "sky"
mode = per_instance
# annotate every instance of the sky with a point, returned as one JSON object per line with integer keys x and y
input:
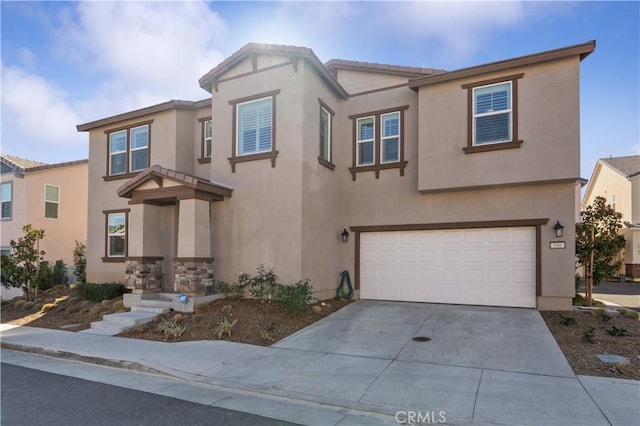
{"x": 67, "y": 63}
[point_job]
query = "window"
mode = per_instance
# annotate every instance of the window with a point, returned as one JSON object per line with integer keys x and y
{"x": 326, "y": 133}
{"x": 254, "y": 129}
{"x": 5, "y": 250}
{"x": 128, "y": 150}
{"x": 378, "y": 141}
{"x": 493, "y": 113}
{"x": 390, "y": 129}
{"x": 7, "y": 199}
{"x": 117, "y": 224}
{"x": 613, "y": 201}
{"x": 51, "y": 201}
{"x": 206, "y": 139}
{"x": 366, "y": 150}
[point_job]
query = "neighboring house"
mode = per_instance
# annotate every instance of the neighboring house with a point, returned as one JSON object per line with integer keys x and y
{"x": 52, "y": 197}
{"x": 448, "y": 183}
{"x": 618, "y": 180}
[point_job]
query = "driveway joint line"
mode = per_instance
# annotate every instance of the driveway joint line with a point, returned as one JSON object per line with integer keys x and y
{"x": 594, "y": 401}
{"x": 475, "y": 400}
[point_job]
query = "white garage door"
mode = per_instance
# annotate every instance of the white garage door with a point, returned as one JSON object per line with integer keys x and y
{"x": 484, "y": 266}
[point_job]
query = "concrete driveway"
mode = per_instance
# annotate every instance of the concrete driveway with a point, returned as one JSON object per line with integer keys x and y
{"x": 481, "y": 364}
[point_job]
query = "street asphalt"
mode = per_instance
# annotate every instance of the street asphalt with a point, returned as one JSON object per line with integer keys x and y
{"x": 361, "y": 366}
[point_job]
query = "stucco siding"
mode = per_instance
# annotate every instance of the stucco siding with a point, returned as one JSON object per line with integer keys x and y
{"x": 261, "y": 223}
{"x": 360, "y": 81}
{"x": 548, "y": 125}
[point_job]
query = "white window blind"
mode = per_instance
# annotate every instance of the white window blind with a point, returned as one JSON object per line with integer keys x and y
{"x": 492, "y": 113}
{"x": 255, "y": 121}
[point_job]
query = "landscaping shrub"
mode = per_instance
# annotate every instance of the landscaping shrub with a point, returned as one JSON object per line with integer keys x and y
{"x": 231, "y": 291}
{"x": 100, "y": 292}
{"x": 296, "y": 297}
{"x": 28, "y": 305}
{"x": 263, "y": 286}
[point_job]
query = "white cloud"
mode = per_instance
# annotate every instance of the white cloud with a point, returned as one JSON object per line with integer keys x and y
{"x": 153, "y": 51}
{"x": 36, "y": 109}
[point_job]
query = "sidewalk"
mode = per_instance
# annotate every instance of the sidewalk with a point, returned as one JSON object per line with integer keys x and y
{"x": 279, "y": 383}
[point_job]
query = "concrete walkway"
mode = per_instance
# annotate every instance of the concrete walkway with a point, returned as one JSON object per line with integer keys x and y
{"x": 361, "y": 366}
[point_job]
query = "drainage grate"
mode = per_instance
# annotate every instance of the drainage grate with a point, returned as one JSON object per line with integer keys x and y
{"x": 421, "y": 339}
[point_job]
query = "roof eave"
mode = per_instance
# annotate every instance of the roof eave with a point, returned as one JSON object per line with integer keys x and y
{"x": 582, "y": 50}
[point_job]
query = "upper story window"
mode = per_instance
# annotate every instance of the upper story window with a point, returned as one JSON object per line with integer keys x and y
{"x": 326, "y": 135}
{"x": 390, "y": 146}
{"x": 128, "y": 149}
{"x": 255, "y": 126}
{"x": 493, "y": 114}
{"x": 7, "y": 200}
{"x": 207, "y": 136}
{"x": 378, "y": 141}
{"x": 254, "y": 120}
{"x": 51, "y": 201}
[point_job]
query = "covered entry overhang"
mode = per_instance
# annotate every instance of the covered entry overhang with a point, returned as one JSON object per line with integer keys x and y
{"x": 160, "y": 186}
{"x": 170, "y": 231}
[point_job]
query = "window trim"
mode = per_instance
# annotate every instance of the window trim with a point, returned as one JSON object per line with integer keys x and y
{"x": 53, "y": 202}
{"x": 106, "y": 257}
{"x": 377, "y": 143}
{"x": 327, "y": 162}
{"x": 492, "y": 146}
{"x": 127, "y": 173}
{"x": 273, "y": 153}
{"x": 203, "y": 157}
{"x": 10, "y": 183}
{"x": 363, "y": 141}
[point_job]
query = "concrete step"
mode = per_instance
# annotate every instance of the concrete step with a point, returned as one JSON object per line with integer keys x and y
{"x": 160, "y": 303}
{"x": 100, "y": 332}
{"x": 150, "y": 309}
{"x": 128, "y": 319}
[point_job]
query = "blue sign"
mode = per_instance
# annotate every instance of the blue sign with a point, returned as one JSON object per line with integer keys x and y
{"x": 183, "y": 298}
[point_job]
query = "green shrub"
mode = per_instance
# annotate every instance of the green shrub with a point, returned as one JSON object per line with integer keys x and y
{"x": 263, "y": 286}
{"x": 100, "y": 292}
{"x": 629, "y": 313}
{"x": 579, "y": 300}
{"x": 615, "y": 331}
{"x": 231, "y": 291}
{"x": 59, "y": 274}
{"x": 28, "y": 305}
{"x": 589, "y": 335}
{"x": 80, "y": 262}
{"x": 296, "y": 297}
{"x": 566, "y": 320}
{"x": 19, "y": 304}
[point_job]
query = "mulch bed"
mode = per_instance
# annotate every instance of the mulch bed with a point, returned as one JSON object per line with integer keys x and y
{"x": 582, "y": 354}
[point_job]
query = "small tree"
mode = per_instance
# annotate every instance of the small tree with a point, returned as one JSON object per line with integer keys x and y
{"x": 20, "y": 269}
{"x": 80, "y": 262}
{"x": 598, "y": 243}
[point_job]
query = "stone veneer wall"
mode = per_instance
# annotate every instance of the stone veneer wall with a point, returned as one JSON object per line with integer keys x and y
{"x": 144, "y": 274}
{"x": 194, "y": 276}
{"x": 632, "y": 271}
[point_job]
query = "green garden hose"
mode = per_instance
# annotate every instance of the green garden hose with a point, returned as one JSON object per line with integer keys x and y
{"x": 342, "y": 292}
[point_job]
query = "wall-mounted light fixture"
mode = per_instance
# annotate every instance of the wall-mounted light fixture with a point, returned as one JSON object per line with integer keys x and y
{"x": 558, "y": 228}
{"x": 345, "y": 235}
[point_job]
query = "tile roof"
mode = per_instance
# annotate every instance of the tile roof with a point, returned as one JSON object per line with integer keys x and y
{"x": 627, "y": 166}
{"x": 188, "y": 180}
{"x": 336, "y": 64}
{"x": 21, "y": 164}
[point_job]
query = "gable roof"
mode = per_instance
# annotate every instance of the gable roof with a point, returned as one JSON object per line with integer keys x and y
{"x": 23, "y": 165}
{"x": 340, "y": 64}
{"x": 153, "y": 109}
{"x": 20, "y": 164}
{"x": 214, "y": 191}
{"x": 208, "y": 80}
{"x": 583, "y": 50}
{"x": 628, "y": 166}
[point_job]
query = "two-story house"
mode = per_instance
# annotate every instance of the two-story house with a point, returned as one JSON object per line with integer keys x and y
{"x": 52, "y": 197}
{"x": 617, "y": 179}
{"x": 425, "y": 185}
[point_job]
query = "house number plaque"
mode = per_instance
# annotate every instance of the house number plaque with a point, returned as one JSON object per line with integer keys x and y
{"x": 557, "y": 244}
